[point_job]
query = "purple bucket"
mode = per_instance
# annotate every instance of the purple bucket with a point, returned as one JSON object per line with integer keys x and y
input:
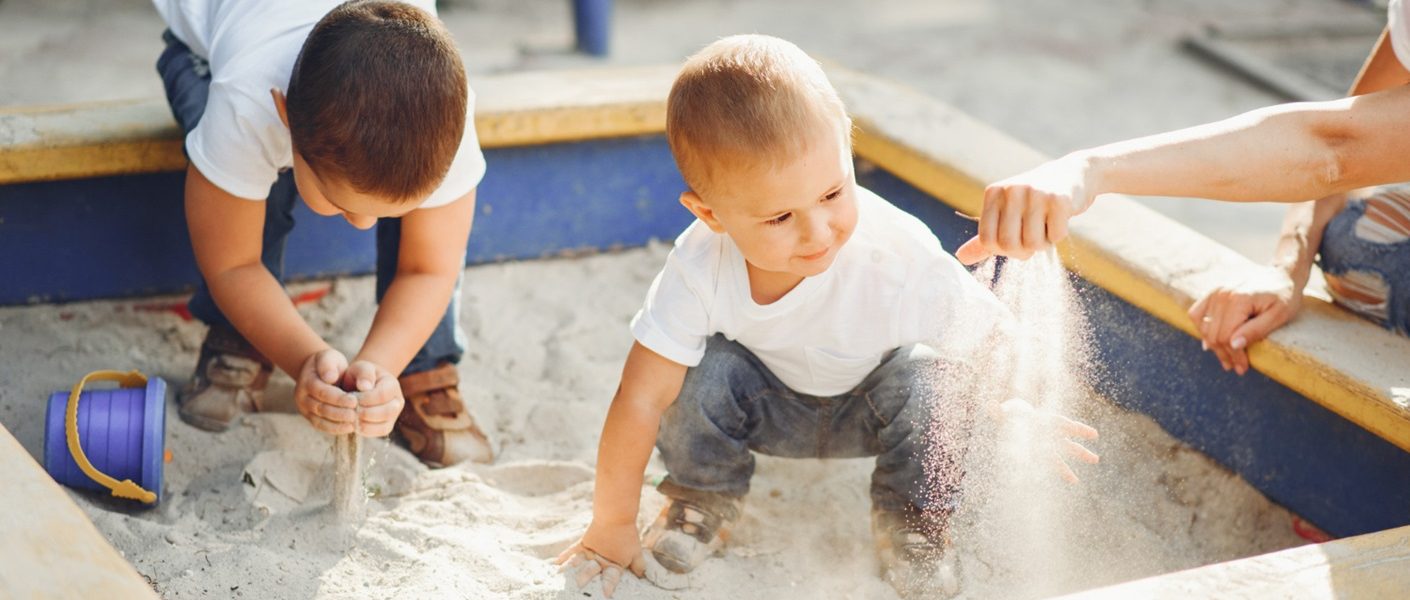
{"x": 122, "y": 431}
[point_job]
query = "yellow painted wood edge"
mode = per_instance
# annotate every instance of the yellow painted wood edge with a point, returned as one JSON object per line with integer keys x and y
{"x": 44, "y": 143}
{"x": 49, "y": 548}
{"x": 1299, "y": 371}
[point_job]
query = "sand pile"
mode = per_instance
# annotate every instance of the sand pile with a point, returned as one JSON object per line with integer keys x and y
{"x": 245, "y": 512}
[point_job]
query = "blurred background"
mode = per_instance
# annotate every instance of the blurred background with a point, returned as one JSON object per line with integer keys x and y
{"x": 1057, "y": 75}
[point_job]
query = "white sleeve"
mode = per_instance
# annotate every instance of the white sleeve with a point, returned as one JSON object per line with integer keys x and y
{"x": 945, "y": 306}
{"x": 466, "y": 170}
{"x": 236, "y": 153}
{"x": 674, "y": 322}
{"x": 1399, "y": 22}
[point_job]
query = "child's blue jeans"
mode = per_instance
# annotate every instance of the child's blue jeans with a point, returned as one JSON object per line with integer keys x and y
{"x": 187, "y": 80}
{"x": 731, "y": 405}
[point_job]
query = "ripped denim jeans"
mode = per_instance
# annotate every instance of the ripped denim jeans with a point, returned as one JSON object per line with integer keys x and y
{"x": 1365, "y": 255}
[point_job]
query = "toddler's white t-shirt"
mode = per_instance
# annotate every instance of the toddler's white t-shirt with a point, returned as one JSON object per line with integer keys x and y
{"x": 891, "y": 285}
{"x": 240, "y": 144}
{"x": 1398, "y": 14}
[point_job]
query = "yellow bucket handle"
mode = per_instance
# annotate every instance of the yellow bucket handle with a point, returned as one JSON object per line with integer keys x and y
{"x": 122, "y": 489}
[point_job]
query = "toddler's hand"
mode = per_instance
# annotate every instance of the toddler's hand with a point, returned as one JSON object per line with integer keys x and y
{"x": 604, "y": 550}
{"x": 379, "y": 397}
{"x": 319, "y": 398}
{"x": 1061, "y": 428}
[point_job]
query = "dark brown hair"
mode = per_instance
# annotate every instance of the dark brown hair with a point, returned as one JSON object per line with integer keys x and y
{"x": 378, "y": 99}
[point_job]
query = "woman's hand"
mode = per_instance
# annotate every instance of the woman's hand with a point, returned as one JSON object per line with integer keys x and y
{"x": 1028, "y": 212}
{"x": 1231, "y": 318}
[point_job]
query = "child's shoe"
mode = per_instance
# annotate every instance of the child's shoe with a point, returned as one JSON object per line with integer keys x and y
{"x": 436, "y": 424}
{"x": 230, "y": 379}
{"x": 914, "y": 551}
{"x": 691, "y": 528}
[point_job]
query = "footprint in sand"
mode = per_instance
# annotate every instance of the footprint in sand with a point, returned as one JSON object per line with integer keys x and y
{"x": 537, "y": 478}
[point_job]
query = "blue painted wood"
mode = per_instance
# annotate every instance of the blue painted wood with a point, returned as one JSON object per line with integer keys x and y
{"x": 1319, "y": 465}
{"x": 126, "y": 236}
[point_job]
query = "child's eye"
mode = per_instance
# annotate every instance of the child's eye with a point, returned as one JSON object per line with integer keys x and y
{"x": 779, "y": 220}
{"x": 833, "y": 195}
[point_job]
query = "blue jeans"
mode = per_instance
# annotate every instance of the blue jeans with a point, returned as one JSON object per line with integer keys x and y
{"x": 731, "y": 405}
{"x": 1343, "y": 251}
{"x": 187, "y": 78}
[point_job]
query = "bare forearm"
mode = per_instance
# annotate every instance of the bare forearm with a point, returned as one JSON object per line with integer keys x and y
{"x": 1302, "y": 236}
{"x": 409, "y": 312}
{"x": 627, "y": 439}
{"x": 257, "y": 305}
{"x": 1272, "y": 154}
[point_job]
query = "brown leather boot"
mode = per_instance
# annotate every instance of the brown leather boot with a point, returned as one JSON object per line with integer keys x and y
{"x": 229, "y": 380}
{"x": 436, "y": 424}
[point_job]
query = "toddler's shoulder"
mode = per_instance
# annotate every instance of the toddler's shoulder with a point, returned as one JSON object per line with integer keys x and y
{"x": 896, "y": 230}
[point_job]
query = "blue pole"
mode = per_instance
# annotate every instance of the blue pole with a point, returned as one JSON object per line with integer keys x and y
{"x": 592, "y": 22}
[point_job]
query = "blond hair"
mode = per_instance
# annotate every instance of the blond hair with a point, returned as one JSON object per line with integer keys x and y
{"x": 747, "y": 101}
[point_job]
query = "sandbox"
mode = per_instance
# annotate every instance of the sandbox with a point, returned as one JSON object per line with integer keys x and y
{"x": 1192, "y": 456}
{"x": 245, "y": 509}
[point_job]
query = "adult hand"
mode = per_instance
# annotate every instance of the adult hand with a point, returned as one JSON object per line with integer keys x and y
{"x": 1057, "y": 428}
{"x": 318, "y": 395}
{"x": 604, "y": 550}
{"x": 379, "y": 397}
{"x": 1230, "y": 318}
{"x": 1028, "y": 212}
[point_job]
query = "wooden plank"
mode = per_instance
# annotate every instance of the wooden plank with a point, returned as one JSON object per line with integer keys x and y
{"x": 1371, "y": 566}
{"x": 47, "y": 143}
{"x": 48, "y": 547}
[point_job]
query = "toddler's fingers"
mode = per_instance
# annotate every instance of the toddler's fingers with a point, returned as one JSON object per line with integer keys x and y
{"x": 589, "y": 570}
{"x": 638, "y": 565}
{"x": 1080, "y": 452}
{"x": 1075, "y": 428}
{"x": 1065, "y": 471}
{"x": 611, "y": 576}
{"x": 362, "y": 376}
{"x": 329, "y": 365}
{"x": 570, "y": 557}
{"x": 330, "y": 427}
{"x": 330, "y": 395}
{"x": 386, "y": 390}
{"x": 336, "y": 414}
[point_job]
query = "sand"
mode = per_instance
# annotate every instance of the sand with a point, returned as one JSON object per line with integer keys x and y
{"x": 246, "y": 511}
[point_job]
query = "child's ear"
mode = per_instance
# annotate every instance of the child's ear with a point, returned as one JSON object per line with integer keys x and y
{"x": 692, "y": 202}
{"x": 280, "y": 106}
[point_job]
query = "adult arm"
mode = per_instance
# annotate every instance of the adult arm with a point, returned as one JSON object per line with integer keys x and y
{"x": 1286, "y": 153}
{"x": 1231, "y": 317}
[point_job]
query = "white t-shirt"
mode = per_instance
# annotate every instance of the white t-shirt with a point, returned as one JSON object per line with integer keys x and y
{"x": 240, "y": 144}
{"x": 891, "y": 285}
{"x": 1399, "y": 21}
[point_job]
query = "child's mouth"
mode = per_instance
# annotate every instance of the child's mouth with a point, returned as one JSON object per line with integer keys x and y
{"x": 815, "y": 256}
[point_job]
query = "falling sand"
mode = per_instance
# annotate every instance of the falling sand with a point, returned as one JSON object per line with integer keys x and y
{"x": 245, "y": 511}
